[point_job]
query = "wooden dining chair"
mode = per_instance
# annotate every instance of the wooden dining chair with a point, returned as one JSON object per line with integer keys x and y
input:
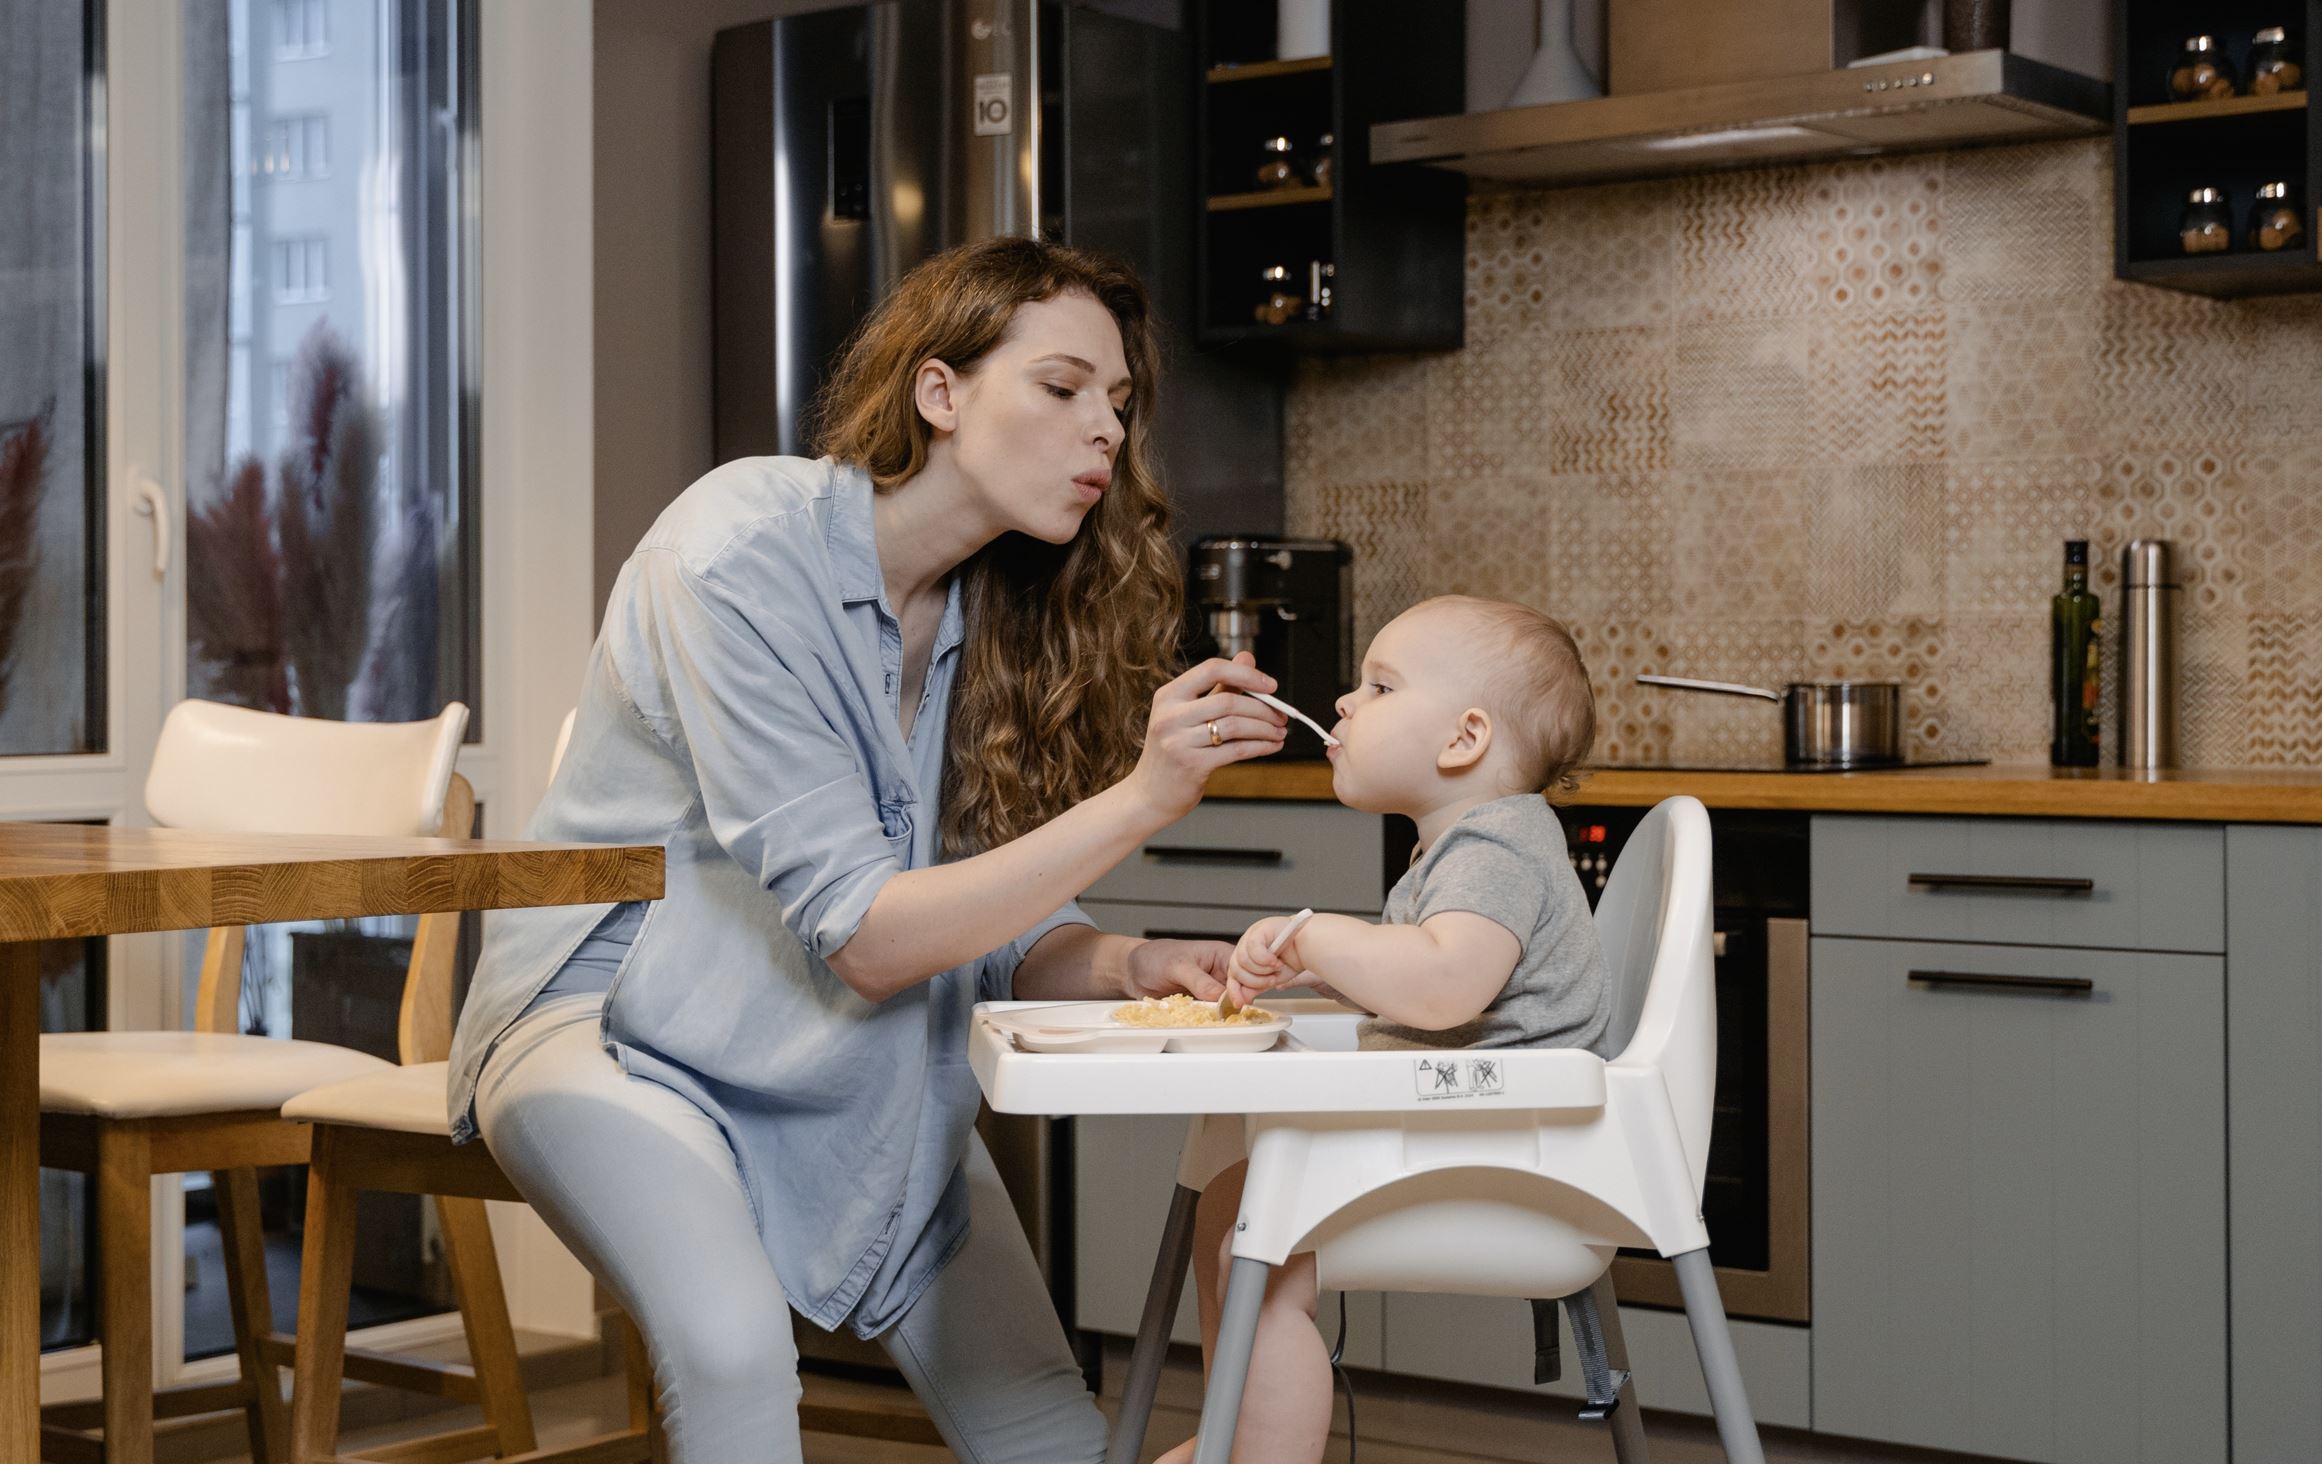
{"x": 123, "y": 1107}
{"x": 391, "y": 1131}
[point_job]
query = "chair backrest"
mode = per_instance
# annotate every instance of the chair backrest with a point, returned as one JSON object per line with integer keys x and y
{"x": 234, "y": 770}
{"x": 1654, "y": 922}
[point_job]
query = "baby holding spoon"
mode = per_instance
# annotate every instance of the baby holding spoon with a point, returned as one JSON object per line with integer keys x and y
{"x": 1467, "y": 711}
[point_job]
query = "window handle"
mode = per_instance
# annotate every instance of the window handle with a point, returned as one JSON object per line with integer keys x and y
{"x": 154, "y": 504}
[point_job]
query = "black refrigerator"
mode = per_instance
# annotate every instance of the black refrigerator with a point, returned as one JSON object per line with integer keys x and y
{"x": 849, "y": 144}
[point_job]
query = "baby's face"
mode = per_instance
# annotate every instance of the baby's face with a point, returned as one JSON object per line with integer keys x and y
{"x": 1421, "y": 673}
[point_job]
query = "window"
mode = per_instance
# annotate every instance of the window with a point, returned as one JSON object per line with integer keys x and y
{"x": 297, "y": 148}
{"x": 301, "y": 29}
{"x": 302, "y": 270}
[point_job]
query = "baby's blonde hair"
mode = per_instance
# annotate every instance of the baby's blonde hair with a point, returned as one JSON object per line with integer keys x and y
{"x": 1539, "y": 689}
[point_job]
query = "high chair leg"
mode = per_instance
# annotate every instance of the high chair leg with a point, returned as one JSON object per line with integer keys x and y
{"x": 1128, "y": 1441}
{"x": 1604, "y": 1318}
{"x": 1737, "y": 1429}
{"x": 1237, "y": 1334}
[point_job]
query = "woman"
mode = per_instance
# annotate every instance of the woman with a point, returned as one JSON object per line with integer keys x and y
{"x": 889, "y": 713}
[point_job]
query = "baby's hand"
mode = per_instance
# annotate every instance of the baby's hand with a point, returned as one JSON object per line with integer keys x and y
{"x": 1257, "y": 968}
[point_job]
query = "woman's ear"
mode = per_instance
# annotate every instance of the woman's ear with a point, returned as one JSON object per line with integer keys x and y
{"x": 935, "y": 391}
{"x": 1469, "y": 742}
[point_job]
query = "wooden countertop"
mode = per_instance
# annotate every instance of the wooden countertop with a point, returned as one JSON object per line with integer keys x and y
{"x": 2028, "y": 790}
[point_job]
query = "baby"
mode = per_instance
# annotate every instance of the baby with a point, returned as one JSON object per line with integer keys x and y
{"x": 1468, "y": 709}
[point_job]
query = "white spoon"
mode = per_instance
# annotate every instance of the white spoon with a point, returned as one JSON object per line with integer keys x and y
{"x": 1288, "y": 710}
{"x": 1226, "y": 1005}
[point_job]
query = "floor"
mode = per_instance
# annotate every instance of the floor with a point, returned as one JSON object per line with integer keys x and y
{"x": 1402, "y": 1423}
{"x": 209, "y": 1324}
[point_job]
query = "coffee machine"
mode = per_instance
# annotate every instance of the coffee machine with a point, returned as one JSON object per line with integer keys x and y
{"x": 1290, "y": 603}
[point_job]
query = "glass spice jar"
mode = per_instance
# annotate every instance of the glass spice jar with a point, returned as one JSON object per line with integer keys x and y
{"x": 2276, "y": 223}
{"x": 2205, "y": 227}
{"x": 2202, "y": 73}
{"x": 2273, "y": 68}
{"x": 1281, "y": 304}
{"x": 1275, "y": 170}
{"x": 1321, "y": 275}
{"x": 1325, "y": 148}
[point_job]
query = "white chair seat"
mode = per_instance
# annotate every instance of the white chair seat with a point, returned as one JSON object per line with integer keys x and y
{"x": 171, "y": 1074}
{"x": 410, "y": 1100}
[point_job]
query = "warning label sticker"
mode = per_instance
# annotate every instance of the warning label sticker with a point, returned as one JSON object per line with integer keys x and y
{"x": 1458, "y": 1077}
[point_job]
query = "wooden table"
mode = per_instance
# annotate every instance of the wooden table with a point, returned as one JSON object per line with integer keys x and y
{"x": 68, "y": 881}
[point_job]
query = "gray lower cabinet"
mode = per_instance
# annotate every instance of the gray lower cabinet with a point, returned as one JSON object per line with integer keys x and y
{"x": 2019, "y": 1201}
{"x": 2273, "y": 981}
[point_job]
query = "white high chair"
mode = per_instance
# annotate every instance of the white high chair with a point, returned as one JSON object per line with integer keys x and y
{"x": 1509, "y": 1172}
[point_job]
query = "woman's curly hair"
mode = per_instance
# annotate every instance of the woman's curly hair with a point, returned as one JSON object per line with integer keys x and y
{"x": 1066, "y": 643}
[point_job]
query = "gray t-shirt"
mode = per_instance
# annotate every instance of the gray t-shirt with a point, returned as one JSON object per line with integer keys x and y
{"x": 1507, "y": 861}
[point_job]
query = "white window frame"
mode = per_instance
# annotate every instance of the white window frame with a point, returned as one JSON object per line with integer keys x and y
{"x": 534, "y": 339}
{"x": 310, "y": 20}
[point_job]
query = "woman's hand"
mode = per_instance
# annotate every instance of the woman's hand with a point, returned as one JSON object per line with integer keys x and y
{"x": 1163, "y": 967}
{"x": 1200, "y": 722}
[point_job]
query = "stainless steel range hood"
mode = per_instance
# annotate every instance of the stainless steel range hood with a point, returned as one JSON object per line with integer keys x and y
{"x": 1949, "y": 101}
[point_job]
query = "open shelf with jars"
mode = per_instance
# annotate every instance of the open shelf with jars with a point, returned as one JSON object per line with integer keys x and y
{"x": 1302, "y": 245}
{"x": 2216, "y": 146}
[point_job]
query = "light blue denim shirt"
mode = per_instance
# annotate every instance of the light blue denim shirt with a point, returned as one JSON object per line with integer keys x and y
{"x": 741, "y": 709}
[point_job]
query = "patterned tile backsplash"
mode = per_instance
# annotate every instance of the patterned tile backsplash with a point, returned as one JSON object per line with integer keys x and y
{"x": 1839, "y": 421}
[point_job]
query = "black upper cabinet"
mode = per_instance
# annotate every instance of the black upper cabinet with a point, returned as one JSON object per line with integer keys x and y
{"x": 2166, "y": 148}
{"x": 1394, "y": 237}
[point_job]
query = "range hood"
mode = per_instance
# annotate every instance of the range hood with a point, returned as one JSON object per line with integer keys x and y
{"x": 1905, "y": 106}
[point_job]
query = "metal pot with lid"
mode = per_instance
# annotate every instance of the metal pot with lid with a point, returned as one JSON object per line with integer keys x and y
{"x": 1825, "y": 724}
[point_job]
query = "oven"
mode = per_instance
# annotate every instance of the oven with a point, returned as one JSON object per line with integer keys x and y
{"x": 1755, "y": 1200}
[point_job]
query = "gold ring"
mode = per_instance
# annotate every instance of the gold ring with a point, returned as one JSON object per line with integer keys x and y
{"x": 1214, "y": 739}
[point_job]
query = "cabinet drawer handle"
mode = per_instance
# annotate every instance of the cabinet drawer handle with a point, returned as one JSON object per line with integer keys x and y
{"x": 2060, "y": 985}
{"x": 1209, "y": 854}
{"x": 1219, "y": 935}
{"x": 2029, "y": 884}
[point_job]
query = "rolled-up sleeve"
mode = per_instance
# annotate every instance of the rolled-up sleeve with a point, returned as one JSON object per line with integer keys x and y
{"x": 758, "y": 716}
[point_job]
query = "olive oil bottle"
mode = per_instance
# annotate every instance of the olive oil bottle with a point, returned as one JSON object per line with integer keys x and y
{"x": 2072, "y": 664}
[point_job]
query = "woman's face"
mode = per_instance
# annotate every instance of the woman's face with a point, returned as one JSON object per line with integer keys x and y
{"x": 1036, "y": 428}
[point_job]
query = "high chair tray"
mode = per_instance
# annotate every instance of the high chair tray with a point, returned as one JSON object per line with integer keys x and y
{"x": 1314, "y": 1069}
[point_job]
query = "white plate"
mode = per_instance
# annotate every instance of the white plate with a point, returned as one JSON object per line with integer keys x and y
{"x": 1088, "y": 1026}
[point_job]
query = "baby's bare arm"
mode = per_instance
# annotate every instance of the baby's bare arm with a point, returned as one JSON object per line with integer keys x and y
{"x": 1430, "y": 976}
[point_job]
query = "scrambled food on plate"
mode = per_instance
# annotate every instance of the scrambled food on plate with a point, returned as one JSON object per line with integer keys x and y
{"x": 1180, "y": 1010}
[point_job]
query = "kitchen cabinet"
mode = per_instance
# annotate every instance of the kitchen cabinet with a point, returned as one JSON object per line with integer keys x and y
{"x": 2273, "y": 985}
{"x": 2163, "y": 147}
{"x": 1395, "y": 238}
{"x": 2019, "y": 1160}
{"x": 2007, "y": 881}
{"x": 1274, "y": 857}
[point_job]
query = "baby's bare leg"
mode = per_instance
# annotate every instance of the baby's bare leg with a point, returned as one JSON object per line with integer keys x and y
{"x": 1286, "y": 1405}
{"x": 1286, "y": 1402}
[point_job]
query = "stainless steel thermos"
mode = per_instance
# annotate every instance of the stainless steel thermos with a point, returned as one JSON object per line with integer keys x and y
{"x": 2148, "y": 655}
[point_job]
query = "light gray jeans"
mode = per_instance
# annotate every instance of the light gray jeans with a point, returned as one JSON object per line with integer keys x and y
{"x": 642, "y": 1186}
